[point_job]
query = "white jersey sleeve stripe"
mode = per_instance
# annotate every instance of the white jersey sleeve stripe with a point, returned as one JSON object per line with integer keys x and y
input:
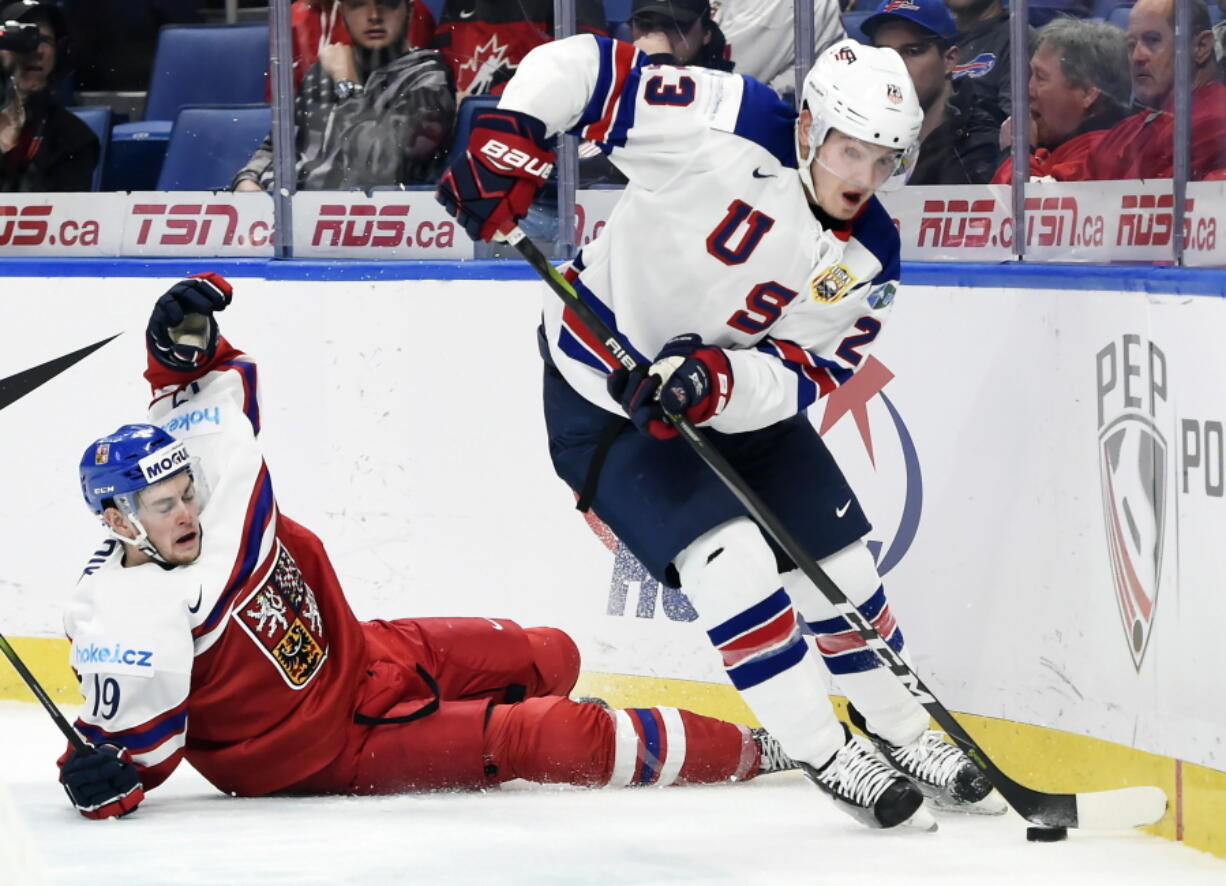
{"x": 674, "y": 727}
{"x": 625, "y": 749}
{"x": 617, "y": 61}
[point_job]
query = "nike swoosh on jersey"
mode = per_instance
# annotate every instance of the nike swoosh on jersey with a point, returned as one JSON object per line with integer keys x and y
{"x": 199, "y": 599}
{"x": 758, "y": 173}
{"x": 839, "y": 512}
{"x": 467, "y": 14}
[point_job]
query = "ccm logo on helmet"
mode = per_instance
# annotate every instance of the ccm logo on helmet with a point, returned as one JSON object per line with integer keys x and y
{"x": 513, "y": 158}
{"x": 163, "y": 462}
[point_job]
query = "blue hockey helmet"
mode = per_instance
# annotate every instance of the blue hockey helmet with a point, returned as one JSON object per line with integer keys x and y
{"x": 117, "y": 466}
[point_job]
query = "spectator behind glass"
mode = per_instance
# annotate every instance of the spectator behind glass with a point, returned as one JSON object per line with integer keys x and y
{"x": 375, "y": 113}
{"x": 1141, "y": 146}
{"x": 680, "y": 30}
{"x": 316, "y": 23}
{"x": 956, "y": 148}
{"x": 483, "y": 41}
{"x": 671, "y": 32}
{"x": 761, "y": 40}
{"x": 1219, "y": 40}
{"x": 982, "y": 73}
{"x": 43, "y": 147}
{"x": 1079, "y": 89}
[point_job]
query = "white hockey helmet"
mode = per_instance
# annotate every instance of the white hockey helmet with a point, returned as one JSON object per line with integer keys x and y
{"x": 865, "y": 92}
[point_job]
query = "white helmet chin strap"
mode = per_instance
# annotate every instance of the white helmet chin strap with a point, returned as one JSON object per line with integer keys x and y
{"x": 141, "y": 542}
{"x": 804, "y": 159}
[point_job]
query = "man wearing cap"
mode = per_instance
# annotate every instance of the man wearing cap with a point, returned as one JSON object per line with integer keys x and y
{"x": 680, "y": 29}
{"x": 957, "y": 146}
{"x": 982, "y": 72}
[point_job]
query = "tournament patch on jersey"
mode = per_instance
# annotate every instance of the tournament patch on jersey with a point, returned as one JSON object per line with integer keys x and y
{"x": 832, "y": 284}
{"x": 881, "y": 296}
{"x": 281, "y": 615}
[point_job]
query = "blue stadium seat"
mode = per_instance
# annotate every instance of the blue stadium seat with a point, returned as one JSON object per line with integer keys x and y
{"x": 1119, "y": 16}
{"x": 97, "y": 118}
{"x": 208, "y": 144}
{"x": 617, "y": 11}
{"x": 193, "y": 65}
{"x": 852, "y": 21}
{"x": 1102, "y": 8}
{"x": 207, "y": 64}
{"x": 464, "y": 117}
{"x": 435, "y": 7}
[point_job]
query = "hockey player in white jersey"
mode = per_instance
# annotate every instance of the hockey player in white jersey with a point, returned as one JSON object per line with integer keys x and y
{"x": 749, "y": 294}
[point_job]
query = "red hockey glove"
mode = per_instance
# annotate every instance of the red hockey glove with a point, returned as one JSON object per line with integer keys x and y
{"x": 102, "y": 783}
{"x": 491, "y": 185}
{"x": 182, "y": 334}
{"x": 687, "y": 378}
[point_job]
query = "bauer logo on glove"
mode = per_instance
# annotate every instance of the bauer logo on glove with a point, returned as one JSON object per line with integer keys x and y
{"x": 511, "y": 159}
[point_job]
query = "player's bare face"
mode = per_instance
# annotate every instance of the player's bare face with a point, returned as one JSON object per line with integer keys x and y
{"x": 170, "y": 513}
{"x": 846, "y": 171}
{"x": 376, "y": 24}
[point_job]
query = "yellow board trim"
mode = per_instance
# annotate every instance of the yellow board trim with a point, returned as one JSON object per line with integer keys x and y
{"x": 1047, "y": 759}
{"x": 47, "y": 660}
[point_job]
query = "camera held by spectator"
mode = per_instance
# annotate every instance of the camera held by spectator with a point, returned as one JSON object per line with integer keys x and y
{"x": 43, "y": 146}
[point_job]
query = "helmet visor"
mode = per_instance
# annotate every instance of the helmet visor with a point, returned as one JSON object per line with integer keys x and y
{"x": 861, "y": 164}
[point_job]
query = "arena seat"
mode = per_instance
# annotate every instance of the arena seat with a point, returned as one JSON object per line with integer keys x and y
{"x": 193, "y": 65}
{"x": 1119, "y": 16}
{"x": 852, "y": 21}
{"x": 207, "y": 64}
{"x": 464, "y": 117}
{"x": 617, "y": 12}
{"x": 209, "y": 143}
{"x": 97, "y": 118}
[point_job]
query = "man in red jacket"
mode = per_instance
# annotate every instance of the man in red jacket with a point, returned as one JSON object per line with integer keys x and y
{"x": 1141, "y": 146}
{"x": 1078, "y": 90}
{"x": 211, "y": 627}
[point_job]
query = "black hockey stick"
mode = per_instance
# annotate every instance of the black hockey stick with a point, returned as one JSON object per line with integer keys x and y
{"x": 1120, "y": 808}
{"x": 78, "y": 743}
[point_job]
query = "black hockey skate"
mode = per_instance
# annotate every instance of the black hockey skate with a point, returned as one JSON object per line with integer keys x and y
{"x": 944, "y": 774}
{"x": 773, "y": 759}
{"x": 868, "y": 790}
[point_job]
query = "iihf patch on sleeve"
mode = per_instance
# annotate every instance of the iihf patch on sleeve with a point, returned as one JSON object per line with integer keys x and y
{"x": 832, "y": 284}
{"x": 881, "y": 296}
{"x": 281, "y": 615}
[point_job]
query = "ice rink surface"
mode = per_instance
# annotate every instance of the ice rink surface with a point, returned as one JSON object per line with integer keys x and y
{"x": 776, "y": 830}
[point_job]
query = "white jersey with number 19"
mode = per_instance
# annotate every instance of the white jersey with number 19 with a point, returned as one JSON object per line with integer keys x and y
{"x": 713, "y": 235}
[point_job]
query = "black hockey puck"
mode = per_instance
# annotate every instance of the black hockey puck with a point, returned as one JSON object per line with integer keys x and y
{"x": 1046, "y": 835}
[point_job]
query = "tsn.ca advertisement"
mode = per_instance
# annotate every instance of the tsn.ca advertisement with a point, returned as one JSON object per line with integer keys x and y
{"x": 1065, "y": 221}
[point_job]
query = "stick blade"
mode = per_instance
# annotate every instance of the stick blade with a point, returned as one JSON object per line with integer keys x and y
{"x": 1122, "y": 808}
